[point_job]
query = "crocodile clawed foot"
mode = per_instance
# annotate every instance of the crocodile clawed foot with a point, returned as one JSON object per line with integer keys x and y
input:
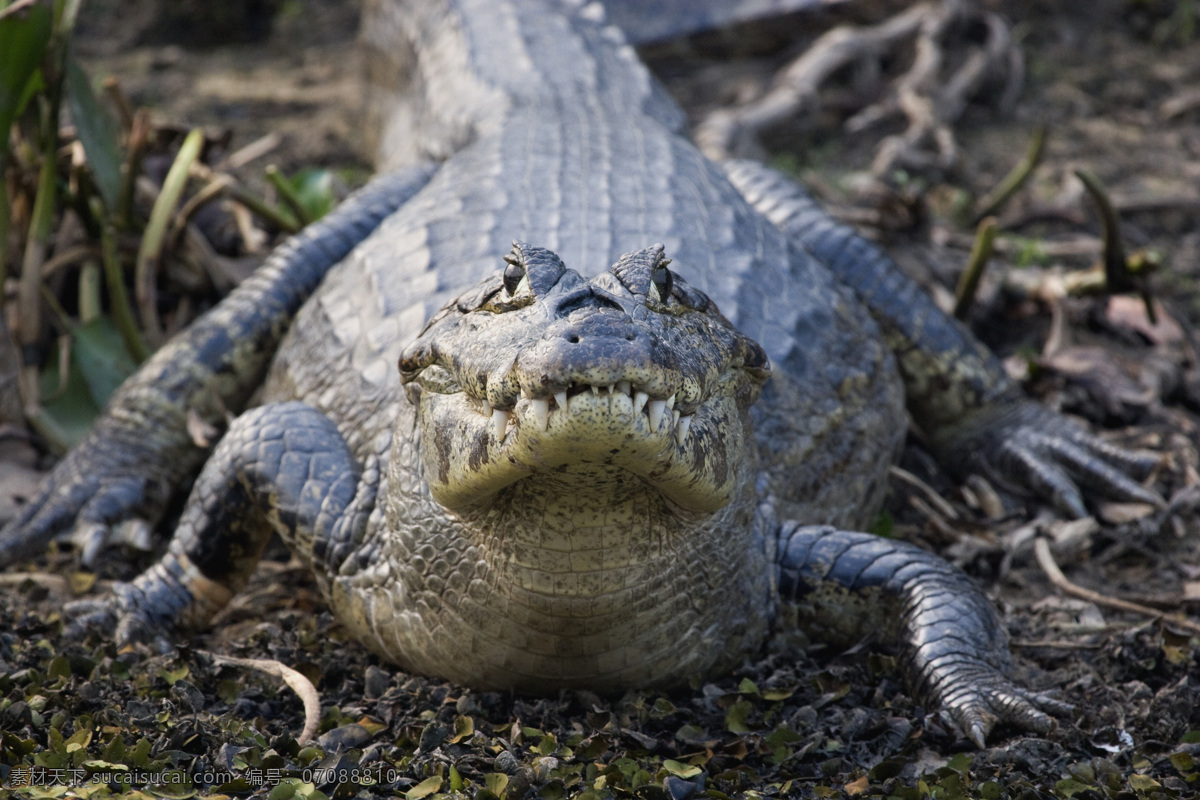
{"x": 1058, "y": 460}
{"x": 89, "y": 500}
{"x": 977, "y": 706}
{"x": 121, "y": 615}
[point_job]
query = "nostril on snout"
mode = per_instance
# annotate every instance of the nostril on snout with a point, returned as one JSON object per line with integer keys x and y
{"x": 573, "y": 339}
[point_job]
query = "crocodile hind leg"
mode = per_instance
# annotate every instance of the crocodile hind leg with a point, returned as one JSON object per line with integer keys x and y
{"x": 976, "y": 418}
{"x": 282, "y": 467}
{"x": 140, "y": 449}
{"x": 951, "y": 643}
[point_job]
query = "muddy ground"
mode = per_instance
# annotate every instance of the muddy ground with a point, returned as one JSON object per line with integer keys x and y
{"x": 1117, "y": 85}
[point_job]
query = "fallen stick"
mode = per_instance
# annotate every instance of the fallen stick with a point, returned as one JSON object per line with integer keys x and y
{"x": 1041, "y": 547}
{"x": 299, "y": 684}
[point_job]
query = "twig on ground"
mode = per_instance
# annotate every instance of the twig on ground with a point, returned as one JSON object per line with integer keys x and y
{"x": 936, "y": 500}
{"x": 929, "y": 101}
{"x": 275, "y": 216}
{"x": 255, "y": 150}
{"x": 1179, "y": 104}
{"x": 729, "y": 131}
{"x": 66, "y": 258}
{"x": 1045, "y": 559}
{"x": 299, "y": 684}
{"x": 931, "y": 109}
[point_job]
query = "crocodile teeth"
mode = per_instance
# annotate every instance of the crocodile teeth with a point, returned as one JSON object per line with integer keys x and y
{"x": 682, "y": 427}
{"x": 499, "y": 423}
{"x": 541, "y": 412}
{"x": 657, "y": 407}
{"x": 621, "y": 404}
{"x": 624, "y": 400}
{"x": 639, "y": 402}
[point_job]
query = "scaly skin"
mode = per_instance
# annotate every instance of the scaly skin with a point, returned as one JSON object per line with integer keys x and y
{"x": 521, "y": 507}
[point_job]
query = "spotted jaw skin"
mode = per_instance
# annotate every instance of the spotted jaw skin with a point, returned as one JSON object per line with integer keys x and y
{"x": 603, "y": 373}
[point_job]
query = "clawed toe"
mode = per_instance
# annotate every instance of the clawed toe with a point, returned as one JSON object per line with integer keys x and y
{"x": 88, "y": 616}
{"x": 117, "y": 615}
{"x": 976, "y": 711}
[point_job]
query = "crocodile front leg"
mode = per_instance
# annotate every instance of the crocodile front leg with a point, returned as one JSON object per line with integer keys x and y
{"x": 139, "y": 450}
{"x": 843, "y": 587}
{"x": 282, "y": 467}
{"x": 955, "y": 388}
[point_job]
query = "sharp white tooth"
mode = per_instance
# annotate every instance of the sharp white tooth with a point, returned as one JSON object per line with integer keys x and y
{"x": 487, "y": 408}
{"x": 525, "y": 393}
{"x": 682, "y": 428}
{"x": 541, "y": 412}
{"x": 639, "y": 402}
{"x": 561, "y": 399}
{"x": 671, "y": 401}
{"x": 657, "y": 407}
{"x": 621, "y": 405}
{"x": 499, "y": 424}
{"x": 595, "y": 390}
{"x": 624, "y": 387}
{"x": 674, "y": 416}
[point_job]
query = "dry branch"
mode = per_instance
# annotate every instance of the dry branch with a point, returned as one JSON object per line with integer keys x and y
{"x": 926, "y": 95}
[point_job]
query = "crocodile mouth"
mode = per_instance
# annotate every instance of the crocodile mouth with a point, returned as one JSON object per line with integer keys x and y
{"x": 626, "y": 402}
{"x": 687, "y": 447}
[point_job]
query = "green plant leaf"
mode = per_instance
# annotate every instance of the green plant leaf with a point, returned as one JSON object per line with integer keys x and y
{"x": 102, "y": 358}
{"x": 96, "y": 132}
{"x": 24, "y": 34}
{"x": 314, "y": 191}
{"x": 66, "y": 414}
{"x": 736, "y": 716}
{"x": 99, "y": 363}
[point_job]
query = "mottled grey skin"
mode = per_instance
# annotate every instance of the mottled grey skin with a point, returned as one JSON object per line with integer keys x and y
{"x": 463, "y": 522}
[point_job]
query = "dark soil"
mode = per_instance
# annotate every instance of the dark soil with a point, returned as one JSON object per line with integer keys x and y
{"x": 1116, "y": 82}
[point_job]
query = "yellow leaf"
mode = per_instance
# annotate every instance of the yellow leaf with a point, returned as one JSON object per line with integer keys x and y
{"x": 464, "y": 727}
{"x": 857, "y": 786}
{"x": 681, "y": 770}
{"x": 424, "y": 788}
{"x": 496, "y": 782}
{"x": 81, "y": 582}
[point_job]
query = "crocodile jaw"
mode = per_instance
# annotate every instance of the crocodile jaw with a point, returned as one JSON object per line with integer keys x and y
{"x": 472, "y": 452}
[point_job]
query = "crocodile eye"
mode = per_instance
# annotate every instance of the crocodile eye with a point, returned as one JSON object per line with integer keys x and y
{"x": 514, "y": 273}
{"x": 660, "y": 282}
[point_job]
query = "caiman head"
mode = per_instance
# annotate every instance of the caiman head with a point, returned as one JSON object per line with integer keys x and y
{"x": 538, "y": 371}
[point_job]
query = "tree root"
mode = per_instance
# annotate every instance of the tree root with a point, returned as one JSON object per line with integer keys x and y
{"x": 931, "y": 95}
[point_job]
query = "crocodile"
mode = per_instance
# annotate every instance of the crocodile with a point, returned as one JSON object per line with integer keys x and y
{"x": 643, "y": 403}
